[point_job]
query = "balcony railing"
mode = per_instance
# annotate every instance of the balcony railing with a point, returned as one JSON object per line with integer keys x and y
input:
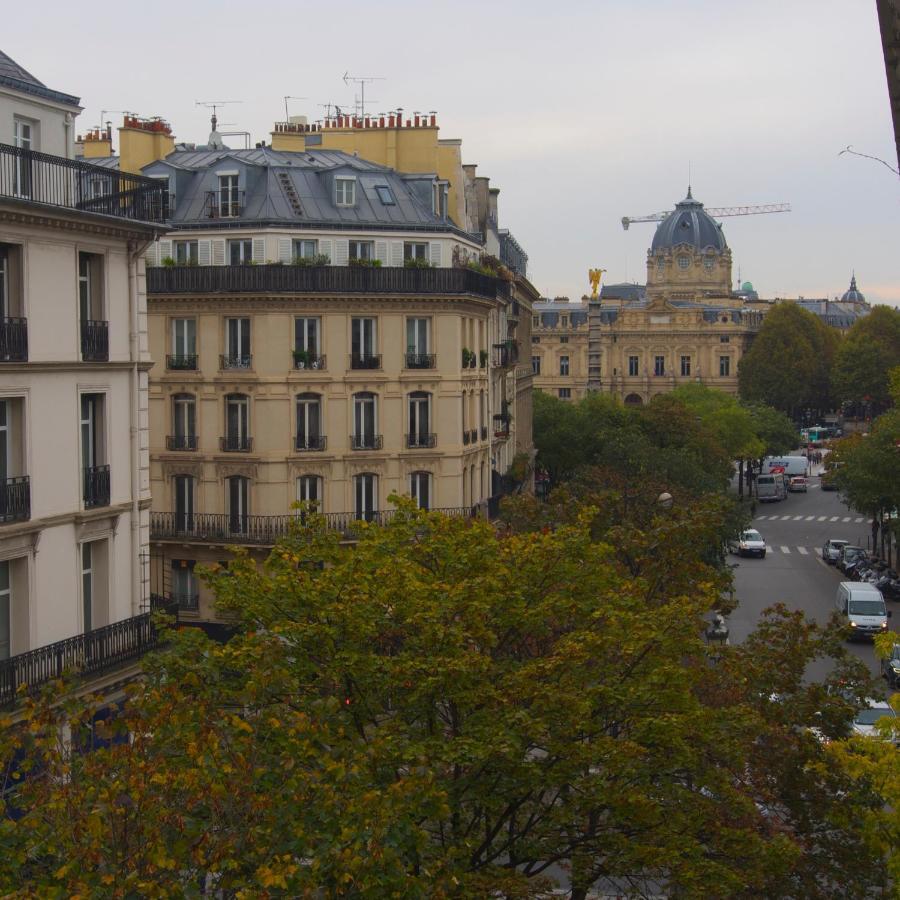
{"x": 218, "y": 206}
{"x": 181, "y": 442}
{"x": 421, "y": 440}
{"x": 13, "y": 339}
{"x": 73, "y": 184}
{"x": 266, "y": 530}
{"x": 96, "y": 486}
{"x": 358, "y": 361}
{"x": 310, "y": 442}
{"x": 94, "y": 341}
{"x": 420, "y": 361}
{"x": 321, "y": 280}
{"x": 189, "y": 602}
{"x": 93, "y": 653}
{"x": 501, "y": 426}
{"x": 506, "y": 354}
{"x": 366, "y": 441}
{"x": 15, "y": 499}
{"x": 226, "y": 361}
{"x": 236, "y": 443}
{"x": 309, "y": 361}
{"x": 183, "y": 362}
{"x": 473, "y": 436}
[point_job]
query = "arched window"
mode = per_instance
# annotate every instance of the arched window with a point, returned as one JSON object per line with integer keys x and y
{"x": 420, "y": 489}
{"x": 419, "y": 420}
{"x": 365, "y": 500}
{"x": 237, "y": 423}
{"x": 365, "y": 422}
{"x": 309, "y": 422}
{"x": 184, "y": 423}
{"x": 237, "y": 489}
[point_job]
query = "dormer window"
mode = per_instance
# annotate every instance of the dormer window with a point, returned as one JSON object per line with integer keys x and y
{"x": 345, "y": 192}
{"x": 708, "y": 263}
{"x": 683, "y": 262}
{"x": 384, "y": 194}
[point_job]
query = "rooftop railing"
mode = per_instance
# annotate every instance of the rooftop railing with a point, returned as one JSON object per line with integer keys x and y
{"x": 321, "y": 280}
{"x": 72, "y": 184}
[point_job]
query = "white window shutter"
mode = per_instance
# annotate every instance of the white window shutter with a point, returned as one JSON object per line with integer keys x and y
{"x": 218, "y": 252}
{"x": 381, "y": 252}
{"x": 165, "y": 250}
{"x": 203, "y": 253}
{"x": 341, "y": 253}
{"x": 284, "y": 250}
{"x": 151, "y": 257}
{"x": 434, "y": 250}
{"x": 259, "y": 250}
{"x": 396, "y": 253}
{"x": 325, "y": 250}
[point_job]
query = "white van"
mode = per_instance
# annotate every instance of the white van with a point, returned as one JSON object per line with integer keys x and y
{"x": 771, "y": 488}
{"x": 790, "y": 465}
{"x": 861, "y": 606}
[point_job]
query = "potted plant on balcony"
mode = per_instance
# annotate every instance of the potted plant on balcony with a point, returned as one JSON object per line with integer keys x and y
{"x": 301, "y": 359}
{"x": 467, "y": 357}
{"x": 168, "y": 262}
{"x": 483, "y": 358}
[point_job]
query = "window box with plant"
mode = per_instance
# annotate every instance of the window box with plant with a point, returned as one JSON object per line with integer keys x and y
{"x": 468, "y": 358}
{"x": 366, "y": 263}
{"x": 317, "y": 259}
{"x": 418, "y": 262}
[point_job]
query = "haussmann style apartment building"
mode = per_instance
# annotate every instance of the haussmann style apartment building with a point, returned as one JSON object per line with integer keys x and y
{"x": 74, "y": 365}
{"x": 321, "y": 332}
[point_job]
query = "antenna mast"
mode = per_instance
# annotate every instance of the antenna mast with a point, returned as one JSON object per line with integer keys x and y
{"x": 287, "y": 115}
{"x": 214, "y": 105}
{"x": 362, "y": 81}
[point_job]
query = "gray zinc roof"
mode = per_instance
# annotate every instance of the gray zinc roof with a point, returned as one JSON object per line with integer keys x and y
{"x": 688, "y": 224}
{"x": 14, "y": 76}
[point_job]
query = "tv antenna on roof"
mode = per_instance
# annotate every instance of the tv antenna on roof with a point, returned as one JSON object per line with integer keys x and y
{"x": 287, "y": 115}
{"x": 362, "y": 81}
{"x": 214, "y": 105}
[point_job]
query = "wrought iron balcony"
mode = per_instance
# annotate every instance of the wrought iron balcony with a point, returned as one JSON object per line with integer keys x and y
{"x": 360, "y": 361}
{"x": 94, "y": 341}
{"x": 501, "y": 425}
{"x": 183, "y": 362}
{"x": 187, "y": 601}
{"x": 219, "y": 206}
{"x": 72, "y": 184}
{"x": 322, "y": 280}
{"x": 421, "y": 440}
{"x": 96, "y": 486}
{"x": 506, "y": 354}
{"x": 93, "y": 653}
{"x": 226, "y": 361}
{"x": 181, "y": 442}
{"x": 13, "y": 339}
{"x": 420, "y": 360}
{"x": 15, "y": 499}
{"x": 310, "y": 442}
{"x": 366, "y": 441}
{"x": 236, "y": 443}
{"x": 306, "y": 360}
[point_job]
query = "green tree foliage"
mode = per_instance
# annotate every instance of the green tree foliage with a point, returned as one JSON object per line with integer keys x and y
{"x": 447, "y": 710}
{"x": 789, "y": 362}
{"x": 869, "y": 351}
{"x": 773, "y": 428}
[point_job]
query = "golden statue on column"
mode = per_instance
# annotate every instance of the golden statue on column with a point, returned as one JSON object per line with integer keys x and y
{"x": 594, "y": 276}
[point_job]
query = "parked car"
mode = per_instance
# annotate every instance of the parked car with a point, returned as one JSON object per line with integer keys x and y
{"x": 797, "y": 484}
{"x": 750, "y": 543}
{"x": 890, "y": 667}
{"x": 831, "y": 550}
{"x": 865, "y": 719}
{"x": 850, "y": 557}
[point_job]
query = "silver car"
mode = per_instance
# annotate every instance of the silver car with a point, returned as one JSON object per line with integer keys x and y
{"x": 750, "y": 543}
{"x": 831, "y": 551}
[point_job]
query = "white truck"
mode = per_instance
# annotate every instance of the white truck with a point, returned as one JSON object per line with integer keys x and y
{"x": 786, "y": 465}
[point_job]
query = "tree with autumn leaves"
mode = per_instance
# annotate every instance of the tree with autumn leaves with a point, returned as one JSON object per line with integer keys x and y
{"x": 449, "y": 709}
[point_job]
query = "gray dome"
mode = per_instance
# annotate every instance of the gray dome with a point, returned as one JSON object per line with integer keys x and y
{"x": 853, "y": 294}
{"x": 689, "y": 224}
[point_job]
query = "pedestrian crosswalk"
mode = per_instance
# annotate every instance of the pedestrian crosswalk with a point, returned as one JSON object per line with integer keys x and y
{"x": 784, "y": 550}
{"x": 772, "y": 518}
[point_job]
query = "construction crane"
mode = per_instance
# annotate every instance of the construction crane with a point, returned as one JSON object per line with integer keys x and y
{"x": 716, "y": 212}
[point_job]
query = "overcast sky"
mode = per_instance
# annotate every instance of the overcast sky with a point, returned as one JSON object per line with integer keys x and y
{"x": 580, "y": 112}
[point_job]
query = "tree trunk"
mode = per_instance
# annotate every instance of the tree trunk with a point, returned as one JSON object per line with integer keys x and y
{"x": 741, "y": 479}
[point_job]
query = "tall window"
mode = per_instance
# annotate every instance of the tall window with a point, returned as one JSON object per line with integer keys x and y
{"x": 237, "y": 423}
{"x": 364, "y": 424}
{"x": 365, "y": 501}
{"x": 240, "y": 252}
{"x": 23, "y": 137}
{"x": 305, "y": 249}
{"x": 419, "y": 420}
{"x": 345, "y": 191}
{"x": 4, "y": 281}
{"x": 184, "y": 422}
{"x": 87, "y": 586}
{"x": 238, "y": 498}
{"x": 417, "y": 336}
{"x": 306, "y": 340}
{"x": 187, "y": 253}
{"x": 415, "y": 250}
{"x": 229, "y": 198}
{"x": 659, "y": 365}
{"x": 724, "y": 366}
{"x": 633, "y": 364}
{"x": 564, "y": 365}
{"x": 237, "y": 339}
{"x": 535, "y": 365}
{"x": 362, "y": 250}
{"x": 183, "y": 489}
{"x": 309, "y": 489}
{"x": 309, "y": 422}
{"x": 362, "y": 340}
{"x": 420, "y": 489}
{"x": 184, "y": 339}
{"x": 90, "y": 287}
{"x": 185, "y": 590}
{"x": 92, "y": 449}
{"x": 5, "y": 611}
{"x": 685, "y": 365}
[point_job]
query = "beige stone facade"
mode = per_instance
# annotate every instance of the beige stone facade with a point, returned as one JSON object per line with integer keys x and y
{"x": 559, "y": 348}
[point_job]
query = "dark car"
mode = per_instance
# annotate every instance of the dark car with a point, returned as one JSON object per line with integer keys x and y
{"x": 890, "y": 667}
{"x": 831, "y": 550}
{"x": 828, "y": 483}
{"x": 850, "y": 556}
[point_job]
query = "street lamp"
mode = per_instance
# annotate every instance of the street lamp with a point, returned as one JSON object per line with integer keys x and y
{"x": 665, "y": 500}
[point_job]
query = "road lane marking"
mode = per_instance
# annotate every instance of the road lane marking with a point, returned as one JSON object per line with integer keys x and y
{"x": 834, "y": 518}
{"x": 802, "y": 551}
{"x": 785, "y": 518}
{"x": 846, "y": 519}
{"x": 822, "y": 518}
{"x": 786, "y": 550}
{"x": 818, "y": 551}
{"x": 810, "y": 518}
{"x": 857, "y": 521}
{"x": 797, "y": 518}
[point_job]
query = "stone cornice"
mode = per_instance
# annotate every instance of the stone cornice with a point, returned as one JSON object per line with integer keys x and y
{"x": 214, "y": 303}
{"x": 52, "y": 365}
{"x": 25, "y": 212}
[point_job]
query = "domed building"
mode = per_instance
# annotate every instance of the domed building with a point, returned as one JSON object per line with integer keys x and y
{"x": 853, "y": 294}
{"x": 689, "y": 254}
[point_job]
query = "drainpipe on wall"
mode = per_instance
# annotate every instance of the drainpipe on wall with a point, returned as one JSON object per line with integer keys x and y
{"x": 135, "y": 251}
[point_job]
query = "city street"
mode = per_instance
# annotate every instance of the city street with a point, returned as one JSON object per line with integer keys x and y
{"x": 793, "y": 572}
